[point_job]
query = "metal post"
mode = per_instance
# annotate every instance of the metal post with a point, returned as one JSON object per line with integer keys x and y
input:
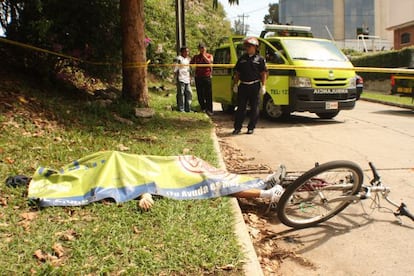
{"x": 179, "y": 24}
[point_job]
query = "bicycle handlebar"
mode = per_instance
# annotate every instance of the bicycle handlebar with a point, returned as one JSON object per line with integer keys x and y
{"x": 403, "y": 211}
{"x": 374, "y": 172}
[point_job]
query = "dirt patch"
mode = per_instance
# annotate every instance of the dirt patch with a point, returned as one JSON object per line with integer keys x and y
{"x": 271, "y": 248}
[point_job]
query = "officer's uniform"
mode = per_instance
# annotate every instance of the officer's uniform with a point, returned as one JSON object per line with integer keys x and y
{"x": 249, "y": 69}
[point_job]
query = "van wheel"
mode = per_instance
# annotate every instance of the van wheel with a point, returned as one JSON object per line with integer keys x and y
{"x": 327, "y": 115}
{"x": 227, "y": 108}
{"x": 272, "y": 111}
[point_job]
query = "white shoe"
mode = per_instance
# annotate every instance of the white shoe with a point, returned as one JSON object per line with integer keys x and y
{"x": 277, "y": 193}
{"x": 275, "y": 178}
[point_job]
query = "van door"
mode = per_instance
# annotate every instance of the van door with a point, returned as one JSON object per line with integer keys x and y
{"x": 276, "y": 100}
{"x": 225, "y": 59}
{"x": 222, "y": 78}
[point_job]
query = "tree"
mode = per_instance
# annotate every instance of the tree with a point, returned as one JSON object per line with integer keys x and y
{"x": 240, "y": 28}
{"x": 134, "y": 71}
{"x": 273, "y": 16}
{"x": 90, "y": 30}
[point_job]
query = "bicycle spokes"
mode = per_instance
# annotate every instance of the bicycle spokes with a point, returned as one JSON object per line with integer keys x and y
{"x": 316, "y": 196}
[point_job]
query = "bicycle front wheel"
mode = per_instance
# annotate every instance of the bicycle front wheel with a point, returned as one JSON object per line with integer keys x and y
{"x": 319, "y": 194}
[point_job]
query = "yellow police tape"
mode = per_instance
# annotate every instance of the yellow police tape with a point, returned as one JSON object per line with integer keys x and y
{"x": 148, "y": 64}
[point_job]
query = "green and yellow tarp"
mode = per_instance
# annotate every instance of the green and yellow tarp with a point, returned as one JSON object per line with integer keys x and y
{"x": 123, "y": 176}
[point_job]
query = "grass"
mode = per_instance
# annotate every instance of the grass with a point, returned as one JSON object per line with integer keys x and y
{"x": 394, "y": 99}
{"x": 45, "y": 126}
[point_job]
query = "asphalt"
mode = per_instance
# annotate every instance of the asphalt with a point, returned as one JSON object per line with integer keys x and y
{"x": 252, "y": 266}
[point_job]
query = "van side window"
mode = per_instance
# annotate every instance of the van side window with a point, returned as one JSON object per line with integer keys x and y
{"x": 273, "y": 56}
{"x": 239, "y": 50}
{"x": 222, "y": 56}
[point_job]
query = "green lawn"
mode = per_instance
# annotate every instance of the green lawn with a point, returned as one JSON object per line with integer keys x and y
{"x": 394, "y": 99}
{"x": 45, "y": 126}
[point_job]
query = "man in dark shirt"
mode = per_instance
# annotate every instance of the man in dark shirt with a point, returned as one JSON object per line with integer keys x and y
{"x": 251, "y": 71}
{"x": 203, "y": 79}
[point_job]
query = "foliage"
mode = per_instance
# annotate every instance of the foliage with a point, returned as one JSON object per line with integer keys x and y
{"x": 389, "y": 59}
{"x": 90, "y": 30}
{"x": 203, "y": 23}
{"x": 240, "y": 28}
{"x": 273, "y": 16}
{"x": 85, "y": 29}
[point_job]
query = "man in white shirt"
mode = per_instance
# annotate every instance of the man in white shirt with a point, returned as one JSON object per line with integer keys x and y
{"x": 182, "y": 76}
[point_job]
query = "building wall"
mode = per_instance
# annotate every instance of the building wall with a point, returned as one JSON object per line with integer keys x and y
{"x": 339, "y": 18}
{"x": 397, "y": 37}
{"x": 382, "y": 19}
{"x": 401, "y": 11}
{"x": 316, "y": 13}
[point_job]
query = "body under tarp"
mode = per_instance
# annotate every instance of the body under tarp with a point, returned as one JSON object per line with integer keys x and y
{"x": 123, "y": 176}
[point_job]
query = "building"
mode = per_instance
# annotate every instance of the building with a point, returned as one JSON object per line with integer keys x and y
{"x": 401, "y": 23}
{"x": 358, "y": 24}
{"x": 403, "y": 35}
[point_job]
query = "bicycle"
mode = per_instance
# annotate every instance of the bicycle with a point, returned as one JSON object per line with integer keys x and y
{"x": 327, "y": 189}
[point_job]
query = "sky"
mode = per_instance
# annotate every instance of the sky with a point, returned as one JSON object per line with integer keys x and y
{"x": 254, "y": 9}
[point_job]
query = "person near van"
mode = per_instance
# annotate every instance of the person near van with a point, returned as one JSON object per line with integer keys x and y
{"x": 203, "y": 79}
{"x": 183, "y": 77}
{"x": 251, "y": 71}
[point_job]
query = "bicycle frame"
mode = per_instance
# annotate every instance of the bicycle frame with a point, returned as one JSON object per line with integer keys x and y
{"x": 366, "y": 192}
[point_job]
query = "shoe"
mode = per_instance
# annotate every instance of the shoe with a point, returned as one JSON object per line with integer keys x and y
{"x": 250, "y": 131}
{"x": 277, "y": 194}
{"x": 209, "y": 113}
{"x": 236, "y": 131}
{"x": 275, "y": 178}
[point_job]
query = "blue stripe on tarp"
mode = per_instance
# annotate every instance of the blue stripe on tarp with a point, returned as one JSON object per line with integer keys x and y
{"x": 204, "y": 190}
{"x": 120, "y": 194}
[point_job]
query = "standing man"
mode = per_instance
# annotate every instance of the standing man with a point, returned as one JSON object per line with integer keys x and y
{"x": 182, "y": 76}
{"x": 203, "y": 79}
{"x": 251, "y": 71}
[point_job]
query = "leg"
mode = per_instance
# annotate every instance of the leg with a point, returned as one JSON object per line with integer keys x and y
{"x": 180, "y": 96}
{"x": 200, "y": 92}
{"x": 253, "y": 193}
{"x": 208, "y": 95}
{"x": 241, "y": 106}
{"x": 254, "y": 99}
{"x": 188, "y": 97}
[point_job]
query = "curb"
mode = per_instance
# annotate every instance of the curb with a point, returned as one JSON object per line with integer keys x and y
{"x": 388, "y": 103}
{"x": 251, "y": 265}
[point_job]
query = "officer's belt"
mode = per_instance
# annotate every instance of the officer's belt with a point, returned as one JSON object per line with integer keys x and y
{"x": 249, "y": 82}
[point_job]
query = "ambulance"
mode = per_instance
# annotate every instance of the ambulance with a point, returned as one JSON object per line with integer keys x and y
{"x": 306, "y": 74}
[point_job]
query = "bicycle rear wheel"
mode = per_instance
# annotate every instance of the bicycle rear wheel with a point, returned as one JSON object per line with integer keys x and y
{"x": 319, "y": 194}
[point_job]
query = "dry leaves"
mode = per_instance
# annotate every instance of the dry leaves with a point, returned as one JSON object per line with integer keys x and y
{"x": 55, "y": 258}
{"x": 68, "y": 235}
{"x": 266, "y": 243}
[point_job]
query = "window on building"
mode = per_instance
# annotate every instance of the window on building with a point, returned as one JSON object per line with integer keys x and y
{"x": 405, "y": 38}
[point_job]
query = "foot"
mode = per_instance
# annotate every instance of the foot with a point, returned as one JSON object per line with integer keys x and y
{"x": 277, "y": 193}
{"x": 250, "y": 131}
{"x": 236, "y": 131}
{"x": 275, "y": 178}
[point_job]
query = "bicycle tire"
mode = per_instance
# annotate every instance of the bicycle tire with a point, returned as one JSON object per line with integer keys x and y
{"x": 308, "y": 200}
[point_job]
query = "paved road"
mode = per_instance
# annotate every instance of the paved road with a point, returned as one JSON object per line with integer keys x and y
{"x": 359, "y": 241}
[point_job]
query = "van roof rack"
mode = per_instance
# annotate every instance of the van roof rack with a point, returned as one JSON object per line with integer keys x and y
{"x": 286, "y": 30}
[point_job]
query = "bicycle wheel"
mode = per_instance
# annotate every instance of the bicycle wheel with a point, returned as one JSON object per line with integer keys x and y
{"x": 319, "y": 194}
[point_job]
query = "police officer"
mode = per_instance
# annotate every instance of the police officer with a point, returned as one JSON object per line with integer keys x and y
{"x": 251, "y": 71}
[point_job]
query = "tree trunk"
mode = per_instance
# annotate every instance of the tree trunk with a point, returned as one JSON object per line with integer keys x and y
{"x": 134, "y": 71}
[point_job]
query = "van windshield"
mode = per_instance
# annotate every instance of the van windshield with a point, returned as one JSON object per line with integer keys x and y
{"x": 319, "y": 50}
